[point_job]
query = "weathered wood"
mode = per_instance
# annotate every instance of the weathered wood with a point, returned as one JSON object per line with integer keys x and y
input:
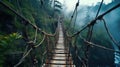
{"x": 60, "y": 55}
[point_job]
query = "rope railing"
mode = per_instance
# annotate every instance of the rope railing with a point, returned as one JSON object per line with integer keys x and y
{"x": 27, "y": 53}
{"x": 31, "y": 44}
{"x": 90, "y": 32}
{"x": 89, "y": 36}
{"x": 26, "y": 20}
{"x": 96, "y": 45}
{"x": 94, "y": 21}
{"x": 91, "y": 44}
{"x": 47, "y": 36}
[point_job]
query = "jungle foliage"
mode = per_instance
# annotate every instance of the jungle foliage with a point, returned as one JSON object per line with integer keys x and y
{"x": 12, "y": 28}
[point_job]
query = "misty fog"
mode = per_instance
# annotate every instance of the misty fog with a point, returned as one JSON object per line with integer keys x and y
{"x": 87, "y": 13}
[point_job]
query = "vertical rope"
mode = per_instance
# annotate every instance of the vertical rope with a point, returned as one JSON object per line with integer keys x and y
{"x": 89, "y": 37}
{"x": 109, "y": 34}
{"x": 99, "y": 8}
{"x": 75, "y": 21}
{"x": 75, "y": 10}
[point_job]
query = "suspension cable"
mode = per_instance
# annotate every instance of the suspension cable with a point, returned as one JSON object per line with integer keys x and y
{"x": 77, "y": 4}
{"x": 99, "y": 8}
{"x": 92, "y": 25}
{"x": 109, "y": 34}
{"x": 94, "y": 21}
{"x": 75, "y": 20}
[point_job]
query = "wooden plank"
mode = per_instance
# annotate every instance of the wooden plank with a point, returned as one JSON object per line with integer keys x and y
{"x": 60, "y": 55}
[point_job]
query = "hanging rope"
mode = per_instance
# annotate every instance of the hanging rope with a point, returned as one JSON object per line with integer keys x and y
{"x": 88, "y": 40}
{"x": 99, "y": 8}
{"x": 75, "y": 10}
{"x": 22, "y": 59}
{"x": 75, "y": 20}
{"x": 41, "y": 41}
{"x": 94, "y": 21}
{"x": 109, "y": 34}
{"x": 89, "y": 37}
{"x": 89, "y": 34}
{"x": 83, "y": 63}
{"x": 27, "y": 53}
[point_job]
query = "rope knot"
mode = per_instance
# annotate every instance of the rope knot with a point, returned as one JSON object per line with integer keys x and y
{"x": 92, "y": 23}
{"x": 31, "y": 44}
{"x": 100, "y": 17}
{"x": 72, "y": 16}
{"x": 77, "y": 4}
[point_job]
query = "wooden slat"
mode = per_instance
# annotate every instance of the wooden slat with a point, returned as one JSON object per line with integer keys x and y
{"x": 60, "y": 59}
{"x": 59, "y": 56}
{"x": 59, "y": 64}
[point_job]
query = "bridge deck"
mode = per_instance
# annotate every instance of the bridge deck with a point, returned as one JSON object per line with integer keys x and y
{"x": 60, "y": 56}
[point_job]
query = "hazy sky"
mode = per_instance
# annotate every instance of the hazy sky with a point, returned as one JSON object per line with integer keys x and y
{"x": 70, "y": 4}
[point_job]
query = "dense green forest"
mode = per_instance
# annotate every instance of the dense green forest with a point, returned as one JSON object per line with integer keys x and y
{"x": 15, "y": 33}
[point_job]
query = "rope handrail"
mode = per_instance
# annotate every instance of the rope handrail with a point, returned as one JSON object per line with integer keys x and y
{"x": 97, "y": 45}
{"x": 27, "y": 53}
{"x": 26, "y": 20}
{"x": 41, "y": 41}
{"x": 94, "y": 21}
{"x": 91, "y": 24}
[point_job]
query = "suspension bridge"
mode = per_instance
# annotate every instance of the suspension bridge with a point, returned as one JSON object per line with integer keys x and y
{"x": 58, "y": 53}
{"x": 61, "y": 56}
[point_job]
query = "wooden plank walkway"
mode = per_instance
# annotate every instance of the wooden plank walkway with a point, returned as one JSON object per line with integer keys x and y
{"x": 60, "y": 55}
